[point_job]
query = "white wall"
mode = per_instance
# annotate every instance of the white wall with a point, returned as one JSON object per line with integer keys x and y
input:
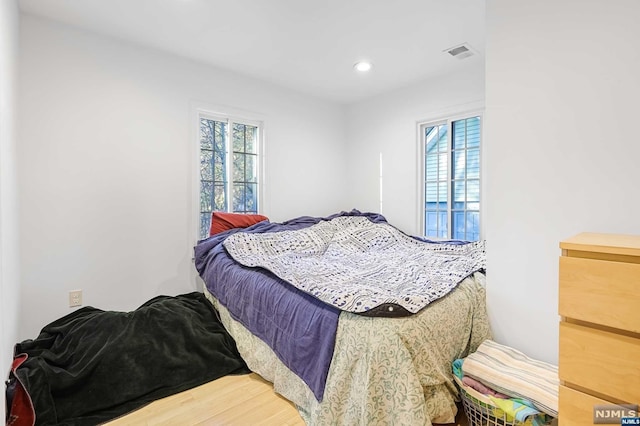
{"x": 561, "y": 154}
{"x": 9, "y": 247}
{"x": 106, "y": 166}
{"x": 105, "y": 157}
{"x": 387, "y": 124}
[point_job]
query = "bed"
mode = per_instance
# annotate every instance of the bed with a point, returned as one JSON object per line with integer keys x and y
{"x": 384, "y": 365}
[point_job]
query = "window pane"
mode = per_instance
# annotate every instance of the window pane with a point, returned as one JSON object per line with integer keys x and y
{"x": 238, "y": 198}
{"x": 220, "y": 135}
{"x": 206, "y": 133}
{"x": 430, "y": 139}
{"x": 431, "y": 165}
{"x": 473, "y": 206}
{"x": 459, "y": 164}
{"x": 458, "y": 190}
{"x": 473, "y": 190}
{"x": 238, "y": 137}
{"x": 206, "y": 196}
{"x": 442, "y": 167}
{"x": 442, "y": 224}
{"x": 458, "y": 137}
{"x": 205, "y": 225}
{"x": 473, "y": 163}
{"x": 431, "y": 193}
{"x": 219, "y": 170}
{"x": 220, "y": 197}
{"x": 251, "y": 168}
{"x": 251, "y": 197}
{"x": 431, "y": 225}
{"x": 238, "y": 167}
{"x": 206, "y": 165}
{"x": 473, "y": 226}
{"x": 220, "y": 153}
{"x": 473, "y": 132}
{"x": 251, "y": 141}
{"x": 220, "y": 141}
{"x": 458, "y": 226}
{"x": 442, "y": 138}
{"x": 442, "y": 192}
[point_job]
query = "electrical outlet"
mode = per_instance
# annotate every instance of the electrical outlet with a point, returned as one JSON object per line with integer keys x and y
{"x": 75, "y": 298}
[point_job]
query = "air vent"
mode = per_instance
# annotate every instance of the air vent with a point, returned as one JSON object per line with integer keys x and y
{"x": 461, "y": 51}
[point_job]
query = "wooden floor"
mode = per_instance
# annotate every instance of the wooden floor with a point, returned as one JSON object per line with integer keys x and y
{"x": 230, "y": 400}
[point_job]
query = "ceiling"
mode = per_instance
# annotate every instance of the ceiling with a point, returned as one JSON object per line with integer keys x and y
{"x": 308, "y": 46}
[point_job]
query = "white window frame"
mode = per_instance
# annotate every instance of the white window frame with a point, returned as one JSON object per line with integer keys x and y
{"x": 234, "y": 116}
{"x": 447, "y": 119}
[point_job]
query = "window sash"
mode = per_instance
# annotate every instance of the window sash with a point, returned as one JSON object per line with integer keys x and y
{"x": 451, "y": 177}
{"x": 229, "y": 175}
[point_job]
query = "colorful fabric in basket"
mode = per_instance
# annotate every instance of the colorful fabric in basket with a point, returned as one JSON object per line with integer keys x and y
{"x": 520, "y": 411}
{"x": 511, "y": 372}
{"x": 510, "y": 411}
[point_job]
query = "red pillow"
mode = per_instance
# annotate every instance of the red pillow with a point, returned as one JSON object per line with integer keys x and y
{"x": 221, "y": 221}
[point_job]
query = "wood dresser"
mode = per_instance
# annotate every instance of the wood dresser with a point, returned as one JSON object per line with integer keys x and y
{"x": 599, "y": 305}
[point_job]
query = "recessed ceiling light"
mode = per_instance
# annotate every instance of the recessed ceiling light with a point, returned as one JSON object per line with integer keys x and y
{"x": 362, "y": 66}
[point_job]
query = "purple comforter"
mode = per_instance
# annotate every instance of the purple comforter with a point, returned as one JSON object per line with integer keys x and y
{"x": 300, "y": 329}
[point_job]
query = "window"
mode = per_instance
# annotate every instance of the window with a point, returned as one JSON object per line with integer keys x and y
{"x": 229, "y": 166}
{"x": 451, "y": 150}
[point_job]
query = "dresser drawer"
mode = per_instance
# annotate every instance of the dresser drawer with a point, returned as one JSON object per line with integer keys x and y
{"x": 601, "y": 292}
{"x": 606, "y": 362}
{"x": 576, "y": 408}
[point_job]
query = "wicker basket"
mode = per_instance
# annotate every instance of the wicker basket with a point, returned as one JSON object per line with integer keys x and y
{"x": 480, "y": 410}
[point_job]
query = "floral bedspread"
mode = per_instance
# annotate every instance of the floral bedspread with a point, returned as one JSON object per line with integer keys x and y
{"x": 384, "y": 370}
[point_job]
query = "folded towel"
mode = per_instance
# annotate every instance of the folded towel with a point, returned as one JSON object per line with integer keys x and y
{"x": 512, "y": 373}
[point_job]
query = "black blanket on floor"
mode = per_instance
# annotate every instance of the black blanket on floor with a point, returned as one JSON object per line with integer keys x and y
{"x": 92, "y": 365}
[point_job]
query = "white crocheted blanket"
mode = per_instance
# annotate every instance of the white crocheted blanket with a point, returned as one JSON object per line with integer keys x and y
{"x": 357, "y": 265}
